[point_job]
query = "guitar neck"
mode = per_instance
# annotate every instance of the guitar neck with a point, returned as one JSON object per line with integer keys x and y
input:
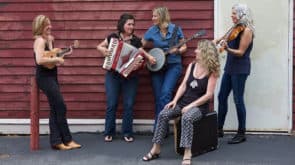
{"x": 178, "y": 45}
{"x": 60, "y": 54}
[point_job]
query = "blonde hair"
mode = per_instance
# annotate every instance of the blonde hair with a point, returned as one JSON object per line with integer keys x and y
{"x": 164, "y": 16}
{"x": 39, "y": 24}
{"x": 209, "y": 56}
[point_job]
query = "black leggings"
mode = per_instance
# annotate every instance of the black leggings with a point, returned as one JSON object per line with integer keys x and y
{"x": 59, "y": 129}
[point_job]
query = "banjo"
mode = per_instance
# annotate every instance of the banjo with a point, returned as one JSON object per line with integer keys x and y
{"x": 160, "y": 55}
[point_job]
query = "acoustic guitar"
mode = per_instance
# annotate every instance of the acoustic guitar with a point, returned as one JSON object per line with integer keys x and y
{"x": 58, "y": 52}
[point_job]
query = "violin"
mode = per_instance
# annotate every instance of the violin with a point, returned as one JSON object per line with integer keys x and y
{"x": 230, "y": 35}
{"x": 58, "y": 52}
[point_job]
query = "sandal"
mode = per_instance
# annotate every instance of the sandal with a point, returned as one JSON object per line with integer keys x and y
{"x": 128, "y": 139}
{"x": 150, "y": 156}
{"x": 186, "y": 161}
{"x": 108, "y": 138}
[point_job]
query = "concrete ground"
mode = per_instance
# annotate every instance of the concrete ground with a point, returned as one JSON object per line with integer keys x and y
{"x": 257, "y": 150}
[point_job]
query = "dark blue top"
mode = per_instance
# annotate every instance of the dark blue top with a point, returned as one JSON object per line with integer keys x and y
{"x": 235, "y": 64}
{"x": 154, "y": 35}
{"x": 41, "y": 71}
{"x": 195, "y": 88}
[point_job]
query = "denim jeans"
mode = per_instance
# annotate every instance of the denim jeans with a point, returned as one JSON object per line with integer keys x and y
{"x": 115, "y": 85}
{"x": 164, "y": 83}
{"x": 59, "y": 129}
{"x": 235, "y": 82}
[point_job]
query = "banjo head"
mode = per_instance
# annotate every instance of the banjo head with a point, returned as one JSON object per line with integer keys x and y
{"x": 160, "y": 59}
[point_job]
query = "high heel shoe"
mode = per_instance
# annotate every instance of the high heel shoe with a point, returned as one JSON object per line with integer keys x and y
{"x": 61, "y": 146}
{"x": 73, "y": 145}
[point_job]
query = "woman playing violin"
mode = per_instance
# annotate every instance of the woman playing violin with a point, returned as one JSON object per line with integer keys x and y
{"x": 60, "y": 136}
{"x": 238, "y": 44}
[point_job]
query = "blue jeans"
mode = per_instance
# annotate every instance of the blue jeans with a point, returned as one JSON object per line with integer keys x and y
{"x": 116, "y": 84}
{"x": 236, "y": 83}
{"x": 164, "y": 83}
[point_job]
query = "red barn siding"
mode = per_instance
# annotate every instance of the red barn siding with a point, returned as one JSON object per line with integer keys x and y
{"x": 293, "y": 67}
{"x": 82, "y": 78}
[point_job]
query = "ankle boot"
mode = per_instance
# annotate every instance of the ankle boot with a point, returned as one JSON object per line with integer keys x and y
{"x": 220, "y": 132}
{"x": 238, "y": 138}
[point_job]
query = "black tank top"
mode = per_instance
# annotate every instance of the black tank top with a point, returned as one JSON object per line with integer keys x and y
{"x": 195, "y": 88}
{"x": 41, "y": 70}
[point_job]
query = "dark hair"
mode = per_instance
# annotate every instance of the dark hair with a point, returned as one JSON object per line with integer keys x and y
{"x": 123, "y": 19}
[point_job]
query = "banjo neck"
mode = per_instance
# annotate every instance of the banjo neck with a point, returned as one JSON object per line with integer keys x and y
{"x": 198, "y": 34}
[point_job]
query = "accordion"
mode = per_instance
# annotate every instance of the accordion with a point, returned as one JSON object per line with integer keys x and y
{"x": 123, "y": 57}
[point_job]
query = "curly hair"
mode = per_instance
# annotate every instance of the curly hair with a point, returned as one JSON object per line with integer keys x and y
{"x": 209, "y": 56}
{"x": 123, "y": 19}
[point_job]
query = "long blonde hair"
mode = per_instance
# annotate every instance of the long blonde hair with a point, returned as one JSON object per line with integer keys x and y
{"x": 39, "y": 24}
{"x": 164, "y": 16}
{"x": 209, "y": 56}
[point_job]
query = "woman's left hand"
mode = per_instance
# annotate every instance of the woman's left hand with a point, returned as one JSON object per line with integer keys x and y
{"x": 174, "y": 51}
{"x": 185, "y": 109}
{"x": 70, "y": 52}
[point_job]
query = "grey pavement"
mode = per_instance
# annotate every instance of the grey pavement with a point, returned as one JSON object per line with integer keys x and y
{"x": 257, "y": 150}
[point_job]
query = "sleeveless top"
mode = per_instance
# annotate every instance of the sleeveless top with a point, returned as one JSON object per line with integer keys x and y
{"x": 195, "y": 88}
{"x": 41, "y": 71}
{"x": 235, "y": 64}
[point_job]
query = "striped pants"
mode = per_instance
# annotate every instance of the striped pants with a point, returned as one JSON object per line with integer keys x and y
{"x": 187, "y": 120}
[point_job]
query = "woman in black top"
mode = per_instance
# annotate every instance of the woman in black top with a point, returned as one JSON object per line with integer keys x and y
{"x": 60, "y": 136}
{"x": 191, "y": 100}
{"x": 115, "y": 83}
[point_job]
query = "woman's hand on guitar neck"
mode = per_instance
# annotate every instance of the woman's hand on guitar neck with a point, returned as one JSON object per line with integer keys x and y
{"x": 59, "y": 61}
{"x": 174, "y": 51}
{"x": 70, "y": 52}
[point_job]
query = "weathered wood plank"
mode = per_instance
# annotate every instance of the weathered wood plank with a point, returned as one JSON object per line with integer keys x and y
{"x": 106, "y": 6}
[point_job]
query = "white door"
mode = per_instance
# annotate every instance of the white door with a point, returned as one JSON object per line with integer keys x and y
{"x": 268, "y": 92}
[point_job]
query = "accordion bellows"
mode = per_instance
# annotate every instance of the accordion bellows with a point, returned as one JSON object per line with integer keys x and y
{"x": 123, "y": 57}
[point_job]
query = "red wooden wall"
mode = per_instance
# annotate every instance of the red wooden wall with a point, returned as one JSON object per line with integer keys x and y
{"x": 82, "y": 78}
{"x": 293, "y": 66}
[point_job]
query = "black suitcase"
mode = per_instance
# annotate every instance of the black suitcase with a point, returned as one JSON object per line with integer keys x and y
{"x": 205, "y": 135}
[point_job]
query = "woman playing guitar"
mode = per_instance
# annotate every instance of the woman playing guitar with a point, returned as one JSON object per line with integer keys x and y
{"x": 60, "y": 136}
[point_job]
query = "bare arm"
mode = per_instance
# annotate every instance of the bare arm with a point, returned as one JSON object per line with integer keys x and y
{"x": 150, "y": 58}
{"x": 103, "y": 48}
{"x": 183, "y": 48}
{"x": 180, "y": 91}
{"x": 179, "y": 50}
{"x": 39, "y": 46}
